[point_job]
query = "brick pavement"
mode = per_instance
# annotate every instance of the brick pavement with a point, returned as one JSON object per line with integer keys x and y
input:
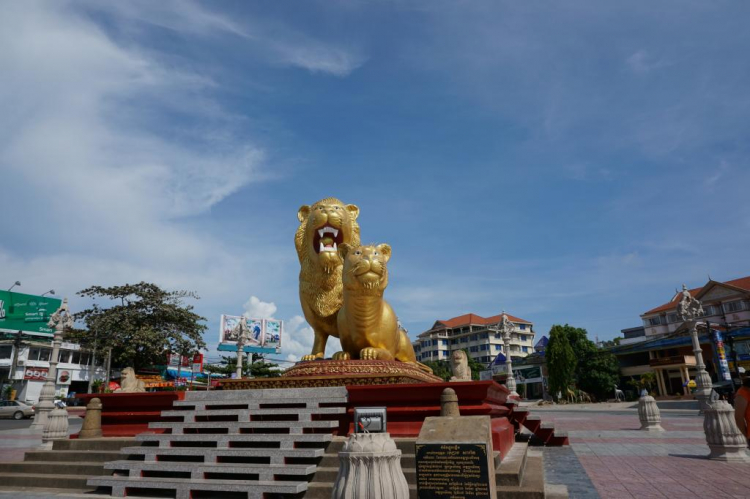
{"x": 615, "y": 460}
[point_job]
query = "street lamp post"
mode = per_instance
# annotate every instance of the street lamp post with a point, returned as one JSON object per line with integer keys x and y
{"x": 60, "y": 320}
{"x": 690, "y": 310}
{"x": 506, "y": 327}
{"x": 242, "y": 332}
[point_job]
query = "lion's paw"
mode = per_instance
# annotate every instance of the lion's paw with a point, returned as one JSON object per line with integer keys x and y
{"x": 341, "y": 356}
{"x": 370, "y": 353}
{"x": 312, "y": 356}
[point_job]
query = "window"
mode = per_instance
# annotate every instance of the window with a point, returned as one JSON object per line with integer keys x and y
{"x": 454, "y": 341}
{"x": 464, "y": 339}
{"x": 445, "y": 343}
{"x": 734, "y": 306}
{"x": 522, "y": 327}
{"x": 672, "y": 318}
{"x": 40, "y": 354}
{"x": 484, "y": 347}
{"x": 525, "y": 349}
{"x": 6, "y": 351}
{"x": 654, "y": 321}
{"x": 474, "y": 337}
{"x": 484, "y": 336}
{"x": 85, "y": 359}
{"x": 498, "y": 336}
{"x": 709, "y": 310}
{"x": 474, "y": 349}
{"x": 497, "y": 348}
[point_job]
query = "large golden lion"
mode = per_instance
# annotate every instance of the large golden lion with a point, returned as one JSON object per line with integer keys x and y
{"x": 324, "y": 227}
{"x": 367, "y": 326}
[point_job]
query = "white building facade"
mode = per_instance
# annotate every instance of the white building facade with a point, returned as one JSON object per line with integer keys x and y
{"x": 475, "y": 334}
{"x": 74, "y": 370}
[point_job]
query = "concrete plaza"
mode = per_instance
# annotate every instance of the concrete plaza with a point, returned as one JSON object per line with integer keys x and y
{"x": 609, "y": 457}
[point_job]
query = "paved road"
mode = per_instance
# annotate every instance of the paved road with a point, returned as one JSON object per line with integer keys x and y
{"x": 610, "y": 458}
{"x": 12, "y": 424}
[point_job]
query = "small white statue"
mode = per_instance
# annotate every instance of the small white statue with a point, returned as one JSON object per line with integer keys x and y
{"x": 460, "y": 366}
{"x": 129, "y": 383}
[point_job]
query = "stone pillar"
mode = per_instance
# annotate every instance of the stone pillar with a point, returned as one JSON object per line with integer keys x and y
{"x": 506, "y": 327}
{"x": 92, "y": 422}
{"x": 370, "y": 468}
{"x": 649, "y": 414}
{"x": 60, "y": 320}
{"x": 724, "y": 439}
{"x": 702, "y": 378}
{"x": 449, "y": 404}
{"x": 56, "y": 427}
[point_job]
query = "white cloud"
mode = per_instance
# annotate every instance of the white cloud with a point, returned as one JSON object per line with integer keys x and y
{"x": 298, "y": 340}
{"x": 257, "y": 309}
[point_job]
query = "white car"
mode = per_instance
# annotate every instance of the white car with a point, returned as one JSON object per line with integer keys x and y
{"x": 15, "y": 409}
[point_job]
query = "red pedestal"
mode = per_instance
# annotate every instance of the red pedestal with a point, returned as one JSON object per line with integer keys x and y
{"x": 128, "y": 414}
{"x": 407, "y": 407}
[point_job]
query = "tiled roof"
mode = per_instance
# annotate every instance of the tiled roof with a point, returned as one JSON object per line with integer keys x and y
{"x": 466, "y": 319}
{"x": 742, "y": 283}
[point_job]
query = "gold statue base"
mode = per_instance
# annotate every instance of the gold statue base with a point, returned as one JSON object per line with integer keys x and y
{"x": 321, "y": 373}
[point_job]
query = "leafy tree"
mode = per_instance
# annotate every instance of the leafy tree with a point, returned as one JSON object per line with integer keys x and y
{"x": 561, "y": 360}
{"x": 598, "y": 373}
{"x": 440, "y": 368}
{"x": 595, "y": 371}
{"x": 140, "y": 322}
{"x": 228, "y": 366}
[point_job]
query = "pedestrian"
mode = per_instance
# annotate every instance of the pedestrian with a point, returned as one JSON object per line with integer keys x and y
{"x": 742, "y": 407}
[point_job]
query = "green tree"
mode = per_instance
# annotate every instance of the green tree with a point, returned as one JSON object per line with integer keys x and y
{"x": 561, "y": 360}
{"x": 596, "y": 371}
{"x": 140, "y": 322}
{"x": 440, "y": 368}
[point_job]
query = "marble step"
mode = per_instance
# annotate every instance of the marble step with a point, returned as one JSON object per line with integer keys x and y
{"x": 246, "y": 413}
{"x": 235, "y": 426}
{"x": 73, "y": 455}
{"x": 186, "y": 488}
{"x": 209, "y": 455}
{"x": 77, "y": 468}
{"x": 42, "y": 480}
{"x": 265, "y": 472}
{"x": 275, "y": 394}
{"x": 221, "y": 440}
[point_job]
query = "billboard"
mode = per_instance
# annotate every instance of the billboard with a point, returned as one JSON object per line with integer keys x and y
{"x": 272, "y": 334}
{"x": 28, "y": 313}
{"x": 265, "y": 334}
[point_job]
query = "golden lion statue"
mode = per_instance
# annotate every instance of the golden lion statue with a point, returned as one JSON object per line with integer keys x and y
{"x": 460, "y": 366}
{"x": 367, "y": 326}
{"x": 129, "y": 383}
{"x": 324, "y": 227}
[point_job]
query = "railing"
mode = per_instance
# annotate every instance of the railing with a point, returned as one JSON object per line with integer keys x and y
{"x": 688, "y": 360}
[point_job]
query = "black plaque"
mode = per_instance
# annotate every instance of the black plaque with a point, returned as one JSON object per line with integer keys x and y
{"x": 452, "y": 471}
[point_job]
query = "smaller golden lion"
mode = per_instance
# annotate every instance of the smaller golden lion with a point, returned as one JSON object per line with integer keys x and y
{"x": 460, "y": 366}
{"x": 129, "y": 383}
{"x": 367, "y": 326}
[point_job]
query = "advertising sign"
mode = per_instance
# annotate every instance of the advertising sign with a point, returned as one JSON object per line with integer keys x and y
{"x": 721, "y": 355}
{"x": 28, "y": 313}
{"x": 272, "y": 335}
{"x": 531, "y": 374}
{"x": 227, "y": 334}
{"x": 198, "y": 363}
{"x": 36, "y": 373}
{"x": 265, "y": 334}
{"x": 64, "y": 376}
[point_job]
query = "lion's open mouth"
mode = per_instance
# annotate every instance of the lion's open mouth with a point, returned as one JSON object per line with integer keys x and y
{"x": 327, "y": 238}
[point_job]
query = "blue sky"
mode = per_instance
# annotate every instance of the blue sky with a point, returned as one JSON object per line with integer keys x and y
{"x": 567, "y": 162}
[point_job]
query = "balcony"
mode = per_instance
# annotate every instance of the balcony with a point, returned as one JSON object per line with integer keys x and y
{"x": 674, "y": 360}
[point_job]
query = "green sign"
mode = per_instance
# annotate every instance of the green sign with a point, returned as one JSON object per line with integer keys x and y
{"x": 524, "y": 373}
{"x": 28, "y": 313}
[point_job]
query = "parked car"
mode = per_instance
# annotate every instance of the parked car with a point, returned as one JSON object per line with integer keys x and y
{"x": 15, "y": 409}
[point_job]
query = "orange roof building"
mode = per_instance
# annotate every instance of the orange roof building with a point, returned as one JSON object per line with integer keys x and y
{"x": 724, "y": 303}
{"x": 477, "y": 335}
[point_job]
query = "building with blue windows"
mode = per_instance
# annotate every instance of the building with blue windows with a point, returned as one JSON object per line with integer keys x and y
{"x": 475, "y": 334}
